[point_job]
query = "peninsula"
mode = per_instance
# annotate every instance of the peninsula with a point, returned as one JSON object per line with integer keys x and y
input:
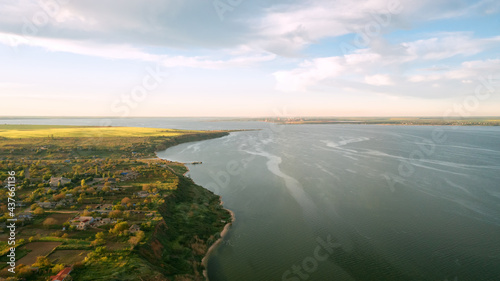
{"x": 96, "y": 203}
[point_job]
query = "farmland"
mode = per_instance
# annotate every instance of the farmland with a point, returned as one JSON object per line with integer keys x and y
{"x": 37, "y": 249}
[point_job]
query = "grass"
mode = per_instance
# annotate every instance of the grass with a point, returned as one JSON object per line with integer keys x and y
{"x": 46, "y": 131}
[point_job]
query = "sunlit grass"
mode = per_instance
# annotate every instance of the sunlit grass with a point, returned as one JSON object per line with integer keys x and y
{"x": 43, "y": 131}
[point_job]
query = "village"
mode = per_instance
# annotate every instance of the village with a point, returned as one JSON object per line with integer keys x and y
{"x": 66, "y": 209}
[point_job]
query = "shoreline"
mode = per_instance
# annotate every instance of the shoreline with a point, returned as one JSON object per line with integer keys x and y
{"x": 214, "y": 246}
{"x": 225, "y": 230}
{"x": 211, "y": 249}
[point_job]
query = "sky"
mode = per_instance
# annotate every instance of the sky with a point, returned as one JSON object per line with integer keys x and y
{"x": 245, "y": 58}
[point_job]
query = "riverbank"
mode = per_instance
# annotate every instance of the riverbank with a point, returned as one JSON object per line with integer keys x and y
{"x": 212, "y": 248}
{"x": 222, "y": 234}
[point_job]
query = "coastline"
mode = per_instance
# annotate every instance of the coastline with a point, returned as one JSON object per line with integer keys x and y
{"x": 212, "y": 248}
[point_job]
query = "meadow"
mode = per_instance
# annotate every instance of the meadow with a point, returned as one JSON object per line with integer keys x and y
{"x": 55, "y": 131}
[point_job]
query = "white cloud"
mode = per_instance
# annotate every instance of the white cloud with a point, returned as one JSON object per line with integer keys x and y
{"x": 115, "y": 51}
{"x": 447, "y": 45}
{"x": 379, "y": 80}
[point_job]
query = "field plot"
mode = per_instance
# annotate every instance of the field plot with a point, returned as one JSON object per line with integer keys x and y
{"x": 62, "y": 217}
{"x": 37, "y": 249}
{"x": 68, "y": 257}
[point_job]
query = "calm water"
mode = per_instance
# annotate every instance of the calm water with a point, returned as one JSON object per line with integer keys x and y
{"x": 394, "y": 202}
{"x": 347, "y": 202}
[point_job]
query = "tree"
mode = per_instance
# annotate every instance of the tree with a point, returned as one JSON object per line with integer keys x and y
{"x": 38, "y": 211}
{"x": 48, "y": 222}
{"x": 139, "y": 236}
{"x": 24, "y": 271}
{"x": 59, "y": 197}
{"x": 126, "y": 200}
{"x": 42, "y": 262}
{"x": 57, "y": 268}
{"x": 115, "y": 214}
{"x": 100, "y": 235}
{"x": 119, "y": 227}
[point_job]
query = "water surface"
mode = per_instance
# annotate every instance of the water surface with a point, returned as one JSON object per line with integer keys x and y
{"x": 396, "y": 202}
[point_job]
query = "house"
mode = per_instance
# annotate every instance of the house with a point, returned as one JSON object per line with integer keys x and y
{"x": 47, "y": 205}
{"x": 25, "y": 217}
{"x": 142, "y": 194}
{"x": 134, "y": 228}
{"x": 103, "y": 208}
{"x": 82, "y": 222}
{"x": 55, "y": 181}
{"x": 128, "y": 175}
{"x": 82, "y": 226}
{"x": 104, "y": 221}
{"x": 62, "y": 275}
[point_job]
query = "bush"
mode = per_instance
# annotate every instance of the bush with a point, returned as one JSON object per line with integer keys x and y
{"x": 48, "y": 222}
{"x": 57, "y": 268}
{"x": 38, "y": 211}
{"x": 119, "y": 227}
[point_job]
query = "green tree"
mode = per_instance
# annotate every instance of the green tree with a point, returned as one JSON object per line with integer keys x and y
{"x": 119, "y": 227}
{"x": 42, "y": 262}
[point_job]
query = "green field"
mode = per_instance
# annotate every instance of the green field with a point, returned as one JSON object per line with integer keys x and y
{"x": 53, "y": 131}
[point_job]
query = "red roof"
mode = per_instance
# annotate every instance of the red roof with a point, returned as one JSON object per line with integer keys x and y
{"x": 62, "y": 274}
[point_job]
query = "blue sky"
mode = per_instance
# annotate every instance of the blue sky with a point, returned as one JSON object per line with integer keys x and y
{"x": 249, "y": 58}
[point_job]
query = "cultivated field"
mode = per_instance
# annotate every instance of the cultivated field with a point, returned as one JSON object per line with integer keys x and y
{"x": 37, "y": 249}
{"x": 68, "y": 257}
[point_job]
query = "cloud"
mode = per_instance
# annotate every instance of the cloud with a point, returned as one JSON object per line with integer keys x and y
{"x": 396, "y": 73}
{"x": 312, "y": 72}
{"x": 379, "y": 80}
{"x": 282, "y": 27}
{"x": 446, "y": 45}
{"x": 123, "y": 51}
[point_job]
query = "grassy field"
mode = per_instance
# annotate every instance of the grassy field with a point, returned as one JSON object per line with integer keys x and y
{"x": 46, "y": 131}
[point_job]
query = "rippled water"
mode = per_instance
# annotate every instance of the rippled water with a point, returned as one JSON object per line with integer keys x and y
{"x": 389, "y": 202}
